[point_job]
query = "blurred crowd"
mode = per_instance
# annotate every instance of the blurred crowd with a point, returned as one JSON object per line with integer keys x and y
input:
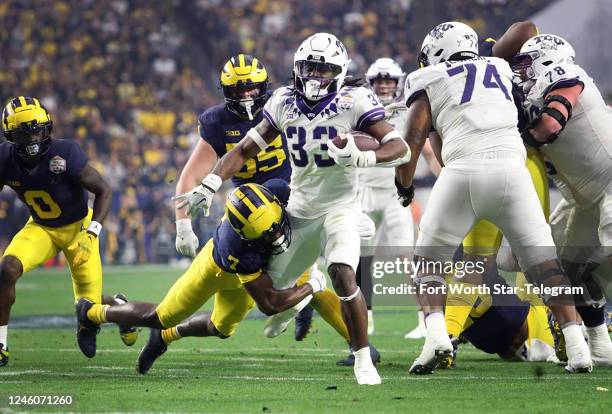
{"x": 127, "y": 79}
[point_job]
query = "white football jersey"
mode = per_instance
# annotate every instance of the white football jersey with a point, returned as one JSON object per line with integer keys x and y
{"x": 582, "y": 155}
{"x": 471, "y": 106}
{"x": 317, "y": 183}
{"x": 379, "y": 177}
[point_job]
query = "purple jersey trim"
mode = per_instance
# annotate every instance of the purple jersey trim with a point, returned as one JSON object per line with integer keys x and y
{"x": 370, "y": 117}
{"x": 270, "y": 120}
{"x": 563, "y": 83}
{"x": 317, "y": 108}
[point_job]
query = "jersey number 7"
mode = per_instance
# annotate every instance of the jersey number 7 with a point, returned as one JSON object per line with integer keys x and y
{"x": 491, "y": 79}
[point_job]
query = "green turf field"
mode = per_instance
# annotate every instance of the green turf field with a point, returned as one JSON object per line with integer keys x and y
{"x": 252, "y": 374}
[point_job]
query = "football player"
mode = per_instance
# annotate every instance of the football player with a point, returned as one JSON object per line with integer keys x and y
{"x": 52, "y": 177}
{"x": 244, "y": 81}
{"x": 569, "y": 122}
{"x": 394, "y": 224}
{"x": 513, "y": 326}
{"x": 467, "y": 99}
{"x": 230, "y": 268}
{"x": 323, "y": 207}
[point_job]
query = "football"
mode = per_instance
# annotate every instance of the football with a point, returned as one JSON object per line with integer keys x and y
{"x": 364, "y": 142}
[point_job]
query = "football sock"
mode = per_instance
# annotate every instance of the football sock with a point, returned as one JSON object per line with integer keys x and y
{"x": 327, "y": 304}
{"x": 363, "y": 355}
{"x": 97, "y": 313}
{"x": 4, "y": 336}
{"x": 170, "y": 334}
{"x": 458, "y": 308}
{"x": 591, "y": 316}
{"x": 435, "y": 322}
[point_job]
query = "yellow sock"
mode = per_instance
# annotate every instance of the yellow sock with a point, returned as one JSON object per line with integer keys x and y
{"x": 327, "y": 304}
{"x": 458, "y": 308}
{"x": 97, "y": 313}
{"x": 170, "y": 334}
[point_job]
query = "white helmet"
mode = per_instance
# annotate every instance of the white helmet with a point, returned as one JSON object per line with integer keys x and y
{"x": 385, "y": 68}
{"x": 319, "y": 66}
{"x": 448, "y": 41}
{"x": 538, "y": 54}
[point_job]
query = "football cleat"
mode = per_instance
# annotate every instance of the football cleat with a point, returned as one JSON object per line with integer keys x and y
{"x": 558, "y": 338}
{"x": 451, "y": 361}
{"x": 153, "y": 349}
{"x": 303, "y": 322}
{"x": 278, "y": 323}
{"x": 437, "y": 348}
{"x": 366, "y": 374}
{"x": 86, "y": 329}
{"x": 128, "y": 334}
{"x": 350, "y": 360}
{"x": 4, "y": 355}
{"x": 600, "y": 346}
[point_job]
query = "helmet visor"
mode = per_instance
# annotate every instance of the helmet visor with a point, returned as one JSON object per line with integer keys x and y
{"x": 318, "y": 70}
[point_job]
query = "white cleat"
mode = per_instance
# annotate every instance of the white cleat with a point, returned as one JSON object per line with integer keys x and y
{"x": 578, "y": 354}
{"x": 370, "y": 323}
{"x": 420, "y": 331}
{"x": 364, "y": 369}
{"x": 600, "y": 345}
{"x": 277, "y": 324}
{"x": 437, "y": 348}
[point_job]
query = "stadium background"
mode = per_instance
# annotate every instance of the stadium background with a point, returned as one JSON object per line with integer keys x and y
{"x": 127, "y": 79}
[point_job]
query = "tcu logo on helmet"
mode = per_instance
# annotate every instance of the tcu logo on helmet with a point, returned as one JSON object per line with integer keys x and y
{"x": 438, "y": 31}
{"x": 549, "y": 42}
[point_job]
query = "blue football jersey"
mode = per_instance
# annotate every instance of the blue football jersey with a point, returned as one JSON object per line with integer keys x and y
{"x": 51, "y": 190}
{"x": 485, "y": 47}
{"x": 223, "y": 129}
{"x": 235, "y": 255}
{"x": 494, "y": 331}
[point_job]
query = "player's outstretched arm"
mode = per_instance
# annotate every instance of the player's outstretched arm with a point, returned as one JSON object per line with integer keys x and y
{"x": 510, "y": 43}
{"x": 419, "y": 125}
{"x": 93, "y": 182}
{"x": 272, "y": 301}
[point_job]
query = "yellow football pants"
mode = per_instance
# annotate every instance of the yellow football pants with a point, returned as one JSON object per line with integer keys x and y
{"x": 34, "y": 244}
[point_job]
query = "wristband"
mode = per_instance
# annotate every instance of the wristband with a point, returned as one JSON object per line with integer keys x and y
{"x": 94, "y": 228}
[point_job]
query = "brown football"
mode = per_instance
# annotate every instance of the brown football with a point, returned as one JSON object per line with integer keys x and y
{"x": 363, "y": 141}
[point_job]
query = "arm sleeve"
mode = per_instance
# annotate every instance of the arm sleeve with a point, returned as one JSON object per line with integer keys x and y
{"x": 368, "y": 109}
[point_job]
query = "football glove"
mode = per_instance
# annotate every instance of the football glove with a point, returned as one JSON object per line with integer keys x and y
{"x": 199, "y": 198}
{"x": 186, "y": 241}
{"x": 82, "y": 247}
{"x": 317, "y": 280}
{"x": 350, "y": 155}
{"x": 405, "y": 194}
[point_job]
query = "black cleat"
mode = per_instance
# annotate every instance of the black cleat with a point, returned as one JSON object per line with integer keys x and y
{"x": 350, "y": 360}
{"x": 451, "y": 361}
{"x": 86, "y": 329}
{"x": 303, "y": 322}
{"x": 128, "y": 334}
{"x": 426, "y": 369}
{"x": 4, "y": 355}
{"x": 152, "y": 350}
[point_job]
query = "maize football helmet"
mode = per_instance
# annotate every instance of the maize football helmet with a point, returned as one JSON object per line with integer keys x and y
{"x": 241, "y": 74}
{"x": 259, "y": 217}
{"x": 27, "y": 125}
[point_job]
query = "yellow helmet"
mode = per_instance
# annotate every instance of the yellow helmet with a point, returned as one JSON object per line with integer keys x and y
{"x": 27, "y": 124}
{"x": 259, "y": 217}
{"x": 244, "y": 72}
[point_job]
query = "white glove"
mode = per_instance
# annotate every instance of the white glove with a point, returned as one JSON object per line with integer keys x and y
{"x": 186, "y": 241}
{"x": 366, "y": 227}
{"x": 317, "y": 280}
{"x": 200, "y": 198}
{"x": 350, "y": 155}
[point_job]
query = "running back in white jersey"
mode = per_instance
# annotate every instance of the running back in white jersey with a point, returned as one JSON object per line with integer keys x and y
{"x": 317, "y": 183}
{"x": 379, "y": 177}
{"x": 582, "y": 155}
{"x": 471, "y": 105}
